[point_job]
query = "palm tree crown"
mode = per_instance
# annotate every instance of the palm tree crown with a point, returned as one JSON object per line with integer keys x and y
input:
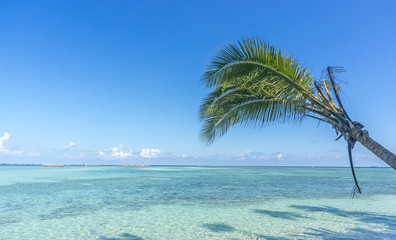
{"x": 255, "y": 84}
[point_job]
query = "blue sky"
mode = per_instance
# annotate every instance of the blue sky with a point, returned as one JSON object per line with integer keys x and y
{"x": 114, "y": 82}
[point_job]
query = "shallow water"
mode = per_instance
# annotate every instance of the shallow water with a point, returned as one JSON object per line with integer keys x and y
{"x": 119, "y": 203}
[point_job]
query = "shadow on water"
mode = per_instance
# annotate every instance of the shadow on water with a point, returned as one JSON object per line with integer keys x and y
{"x": 272, "y": 238}
{"x": 124, "y": 236}
{"x": 219, "y": 227}
{"x": 386, "y": 231}
{"x": 366, "y": 217}
{"x": 324, "y": 234}
{"x": 279, "y": 214}
{"x": 354, "y": 233}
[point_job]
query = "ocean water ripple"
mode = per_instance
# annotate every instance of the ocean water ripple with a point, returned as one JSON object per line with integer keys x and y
{"x": 196, "y": 203}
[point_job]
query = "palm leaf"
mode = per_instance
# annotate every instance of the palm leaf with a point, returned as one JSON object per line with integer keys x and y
{"x": 224, "y": 108}
{"x": 255, "y": 84}
{"x": 253, "y": 57}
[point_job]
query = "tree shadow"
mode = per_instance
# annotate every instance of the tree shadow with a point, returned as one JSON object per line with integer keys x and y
{"x": 279, "y": 214}
{"x": 324, "y": 234}
{"x": 262, "y": 237}
{"x": 123, "y": 236}
{"x": 219, "y": 227}
{"x": 354, "y": 233}
{"x": 386, "y": 230}
{"x": 332, "y": 210}
{"x": 367, "y": 217}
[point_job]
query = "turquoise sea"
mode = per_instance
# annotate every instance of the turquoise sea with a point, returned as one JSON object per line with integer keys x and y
{"x": 123, "y": 203}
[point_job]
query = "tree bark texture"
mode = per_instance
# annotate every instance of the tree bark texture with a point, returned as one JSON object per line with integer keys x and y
{"x": 376, "y": 148}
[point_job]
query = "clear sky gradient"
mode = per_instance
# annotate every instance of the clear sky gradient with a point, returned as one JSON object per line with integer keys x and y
{"x": 115, "y": 82}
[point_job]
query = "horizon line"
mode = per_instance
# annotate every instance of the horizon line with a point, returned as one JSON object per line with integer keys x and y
{"x": 169, "y": 165}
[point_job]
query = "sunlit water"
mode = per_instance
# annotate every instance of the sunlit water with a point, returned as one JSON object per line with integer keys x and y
{"x": 120, "y": 203}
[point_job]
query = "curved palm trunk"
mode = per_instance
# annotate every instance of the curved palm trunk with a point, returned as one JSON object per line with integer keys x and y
{"x": 376, "y": 148}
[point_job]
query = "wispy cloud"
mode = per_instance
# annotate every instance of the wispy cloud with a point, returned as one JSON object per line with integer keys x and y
{"x": 260, "y": 156}
{"x": 279, "y": 155}
{"x": 4, "y": 150}
{"x": 115, "y": 153}
{"x": 69, "y": 145}
{"x": 149, "y": 153}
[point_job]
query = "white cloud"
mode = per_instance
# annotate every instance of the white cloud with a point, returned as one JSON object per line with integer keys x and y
{"x": 115, "y": 153}
{"x": 5, "y": 150}
{"x": 69, "y": 145}
{"x": 3, "y": 139}
{"x": 184, "y": 155}
{"x": 252, "y": 156}
{"x": 149, "y": 153}
{"x": 260, "y": 156}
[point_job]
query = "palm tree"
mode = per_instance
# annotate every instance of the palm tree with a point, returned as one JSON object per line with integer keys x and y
{"x": 254, "y": 84}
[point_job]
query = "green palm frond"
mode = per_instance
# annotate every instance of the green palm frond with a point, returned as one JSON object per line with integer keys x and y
{"x": 254, "y": 84}
{"x": 224, "y": 108}
{"x": 252, "y": 61}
